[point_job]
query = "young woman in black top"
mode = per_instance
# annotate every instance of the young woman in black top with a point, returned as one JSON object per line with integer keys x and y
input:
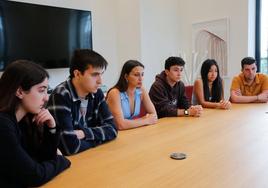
{"x": 208, "y": 91}
{"x": 28, "y": 134}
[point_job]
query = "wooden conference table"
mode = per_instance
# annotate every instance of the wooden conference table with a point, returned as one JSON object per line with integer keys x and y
{"x": 225, "y": 149}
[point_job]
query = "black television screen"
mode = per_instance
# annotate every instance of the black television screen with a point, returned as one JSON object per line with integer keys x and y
{"x": 44, "y": 34}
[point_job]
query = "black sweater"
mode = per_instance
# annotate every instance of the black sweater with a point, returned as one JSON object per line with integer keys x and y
{"x": 166, "y": 99}
{"x": 22, "y": 164}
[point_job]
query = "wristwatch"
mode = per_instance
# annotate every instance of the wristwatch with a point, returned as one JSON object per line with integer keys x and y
{"x": 52, "y": 130}
{"x": 186, "y": 113}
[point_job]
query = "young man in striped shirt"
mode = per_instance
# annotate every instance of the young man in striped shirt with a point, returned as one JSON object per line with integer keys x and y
{"x": 79, "y": 107}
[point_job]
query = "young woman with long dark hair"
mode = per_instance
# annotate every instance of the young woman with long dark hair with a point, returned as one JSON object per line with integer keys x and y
{"x": 208, "y": 91}
{"x": 28, "y": 134}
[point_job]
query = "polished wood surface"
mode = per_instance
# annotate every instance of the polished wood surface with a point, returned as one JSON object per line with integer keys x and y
{"x": 225, "y": 149}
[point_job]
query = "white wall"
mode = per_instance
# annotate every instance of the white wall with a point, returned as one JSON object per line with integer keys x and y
{"x": 152, "y": 30}
{"x": 127, "y": 31}
{"x": 159, "y": 35}
{"x": 192, "y": 11}
{"x": 251, "y": 27}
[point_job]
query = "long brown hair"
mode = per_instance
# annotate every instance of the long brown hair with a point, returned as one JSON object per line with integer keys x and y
{"x": 122, "y": 84}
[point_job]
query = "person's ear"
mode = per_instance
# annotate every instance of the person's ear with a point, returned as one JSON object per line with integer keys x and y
{"x": 19, "y": 93}
{"x": 166, "y": 71}
{"x": 126, "y": 77}
{"x": 77, "y": 73}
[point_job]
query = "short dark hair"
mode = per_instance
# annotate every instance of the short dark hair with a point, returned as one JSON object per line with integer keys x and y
{"x": 174, "y": 61}
{"x": 82, "y": 58}
{"x": 20, "y": 73}
{"x": 247, "y": 61}
{"x": 122, "y": 84}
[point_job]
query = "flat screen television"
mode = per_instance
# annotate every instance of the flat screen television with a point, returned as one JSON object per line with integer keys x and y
{"x": 44, "y": 34}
